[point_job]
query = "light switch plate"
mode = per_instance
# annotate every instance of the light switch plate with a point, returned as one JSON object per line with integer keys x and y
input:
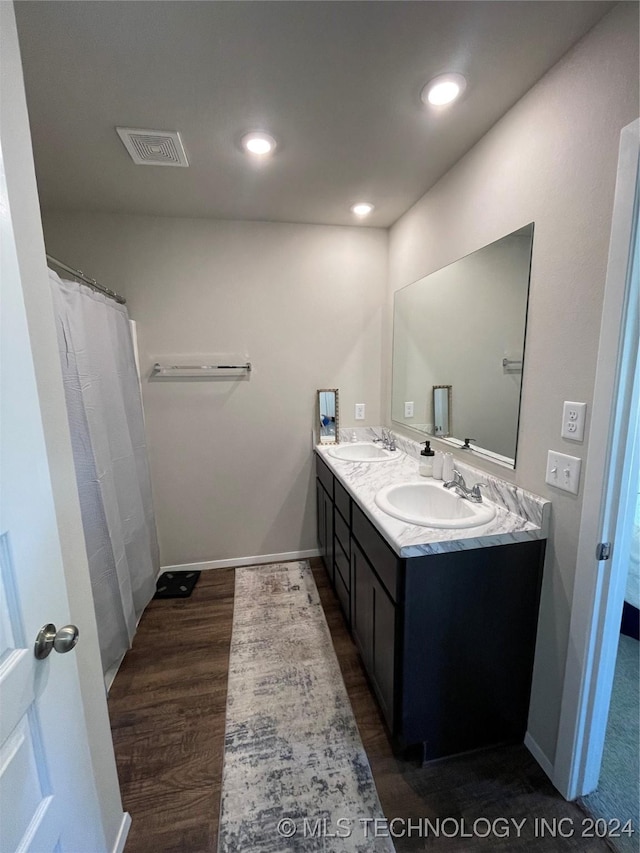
{"x": 360, "y": 411}
{"x": 573, "y": 418}
{"x": 563, "y": 471}
{"x": 408, "y": 410}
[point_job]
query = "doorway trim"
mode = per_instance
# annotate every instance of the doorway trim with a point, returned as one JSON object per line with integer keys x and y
{"x": 598, "y": 589}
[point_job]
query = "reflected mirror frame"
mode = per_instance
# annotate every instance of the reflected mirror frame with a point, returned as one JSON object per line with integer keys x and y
{"x": 328, "y": 439}
{"x": 449, "y": 389}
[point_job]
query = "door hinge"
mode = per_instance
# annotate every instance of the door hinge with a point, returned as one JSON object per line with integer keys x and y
{"x": 603, "y": 550}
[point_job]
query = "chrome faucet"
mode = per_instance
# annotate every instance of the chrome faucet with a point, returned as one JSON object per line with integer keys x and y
{"x": 387, "y": 439}
{"x": 472, "y": 494}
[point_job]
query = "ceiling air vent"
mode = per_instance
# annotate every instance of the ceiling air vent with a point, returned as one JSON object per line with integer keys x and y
{"x": 153, "y": 147}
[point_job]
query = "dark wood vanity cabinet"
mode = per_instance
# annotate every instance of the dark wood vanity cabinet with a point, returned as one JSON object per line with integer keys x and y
{"x": 447, "y": 640}
{"x": 468, "y": 631}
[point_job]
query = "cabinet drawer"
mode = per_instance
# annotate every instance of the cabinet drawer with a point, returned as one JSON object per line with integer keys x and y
{"x": 342, "y": 565}
{"x": 342, "y": 533}
{"x": 343, "y": 501}
{"x": 379, "y": 554}
{"x": 325, "y": 476}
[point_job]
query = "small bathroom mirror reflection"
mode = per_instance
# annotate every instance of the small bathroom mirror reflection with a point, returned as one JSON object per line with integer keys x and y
{"x": 442, "y": 410}
{"x": 328, "y": 415}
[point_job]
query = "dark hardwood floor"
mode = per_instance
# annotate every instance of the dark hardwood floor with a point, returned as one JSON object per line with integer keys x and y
{"x": 167, "y": 709}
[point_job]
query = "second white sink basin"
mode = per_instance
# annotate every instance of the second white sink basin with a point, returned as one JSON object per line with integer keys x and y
{"x": 363, "y": 451}
{"x": 429, "y": 504}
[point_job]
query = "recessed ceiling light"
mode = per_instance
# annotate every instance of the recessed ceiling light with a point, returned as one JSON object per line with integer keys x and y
{"x": 259, "y": 144}
{"x": 443, "y": 89}
{"x": 362, "y": 208}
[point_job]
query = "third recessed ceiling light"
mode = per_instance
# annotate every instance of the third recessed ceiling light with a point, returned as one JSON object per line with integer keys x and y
{"x": 258, "y": 143}
{"x": 362, "y": 208}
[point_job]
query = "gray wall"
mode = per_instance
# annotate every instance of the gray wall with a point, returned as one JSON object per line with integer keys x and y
{"x": 552, "y": 159}
{"x": 231, "y": 462}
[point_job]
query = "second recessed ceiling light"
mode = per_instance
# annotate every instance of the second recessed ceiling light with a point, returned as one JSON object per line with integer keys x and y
{"x": 443, "y": 89}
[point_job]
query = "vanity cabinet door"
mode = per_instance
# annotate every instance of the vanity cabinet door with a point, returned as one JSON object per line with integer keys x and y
{"x": 320, "y": 510}
{"x": 384, "y": 623}
{"x": 363, "y": 600}
{"x": 324, "y": 511}
{"x": 373, "y": 627}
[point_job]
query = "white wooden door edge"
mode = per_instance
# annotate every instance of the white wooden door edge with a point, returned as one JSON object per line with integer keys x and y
{"x": 592, "y": 642}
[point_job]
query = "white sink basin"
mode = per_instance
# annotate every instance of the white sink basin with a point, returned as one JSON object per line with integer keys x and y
{"x": 431, "y": 505}
{"x": 363, "y": 451}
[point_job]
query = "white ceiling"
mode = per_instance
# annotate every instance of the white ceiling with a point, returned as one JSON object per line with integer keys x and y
{"x": 337, "y": 83}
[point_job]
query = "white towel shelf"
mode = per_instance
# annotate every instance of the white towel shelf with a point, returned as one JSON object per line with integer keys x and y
{"x": 201, "y": 371}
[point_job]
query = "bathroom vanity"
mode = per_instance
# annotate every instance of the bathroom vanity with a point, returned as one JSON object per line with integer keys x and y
{"x": 445, "y": 620}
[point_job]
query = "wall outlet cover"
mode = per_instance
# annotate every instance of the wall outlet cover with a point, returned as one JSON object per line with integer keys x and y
{"x": 563, "y": 471}
{"x": 574, "y": 416}
{"x": 408, "y": 410}
{"x": 360, "y": 408}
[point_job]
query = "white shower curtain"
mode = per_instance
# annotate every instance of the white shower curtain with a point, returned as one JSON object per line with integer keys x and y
{"x": 107, "y": 434}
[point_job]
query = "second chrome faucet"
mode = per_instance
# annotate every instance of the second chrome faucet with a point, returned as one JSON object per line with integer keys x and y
{"x": 472, "y": 494}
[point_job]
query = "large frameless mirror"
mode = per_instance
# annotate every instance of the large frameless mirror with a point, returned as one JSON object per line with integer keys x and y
{"x": 328, "y": 415}
{"x": 460, "y": 331}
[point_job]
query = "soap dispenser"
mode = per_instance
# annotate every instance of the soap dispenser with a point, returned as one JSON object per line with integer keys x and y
{"x": 425, "y": 463}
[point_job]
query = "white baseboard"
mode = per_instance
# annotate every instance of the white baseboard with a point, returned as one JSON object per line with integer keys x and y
{"x": 243, "y": 561}
{"x": 539, "y": 755}
{"x": 123, "y": 832}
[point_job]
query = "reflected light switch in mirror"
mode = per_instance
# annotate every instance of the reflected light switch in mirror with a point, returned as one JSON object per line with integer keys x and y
{"x": 408, "y": 410}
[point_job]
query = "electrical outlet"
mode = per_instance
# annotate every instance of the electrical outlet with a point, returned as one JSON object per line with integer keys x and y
{"x": 408, "y": 410}
{"x": 573, "y": 418}
{"x": 563, "y": 471}
{"x": 360, "y": 411}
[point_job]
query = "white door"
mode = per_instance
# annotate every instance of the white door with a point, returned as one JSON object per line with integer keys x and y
{"x": 48, "y": 797}
{"x": 610, "y": 485}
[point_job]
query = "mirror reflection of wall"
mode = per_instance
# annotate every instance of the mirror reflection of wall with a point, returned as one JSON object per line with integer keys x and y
{"x": 328, "y": 415}
{"x": 456, "y": 326}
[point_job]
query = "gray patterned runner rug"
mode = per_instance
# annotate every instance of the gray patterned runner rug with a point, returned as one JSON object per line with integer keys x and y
{"x": 296, "y": 776}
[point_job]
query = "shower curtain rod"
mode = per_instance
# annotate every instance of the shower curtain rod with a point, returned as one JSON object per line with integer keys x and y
{"x": 91, "y": 282}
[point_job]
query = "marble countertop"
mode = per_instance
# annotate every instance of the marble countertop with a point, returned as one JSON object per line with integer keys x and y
{"x": 521, "y": 516}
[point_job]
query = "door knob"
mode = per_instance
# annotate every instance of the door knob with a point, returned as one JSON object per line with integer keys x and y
{"x": 61, "y": 641}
